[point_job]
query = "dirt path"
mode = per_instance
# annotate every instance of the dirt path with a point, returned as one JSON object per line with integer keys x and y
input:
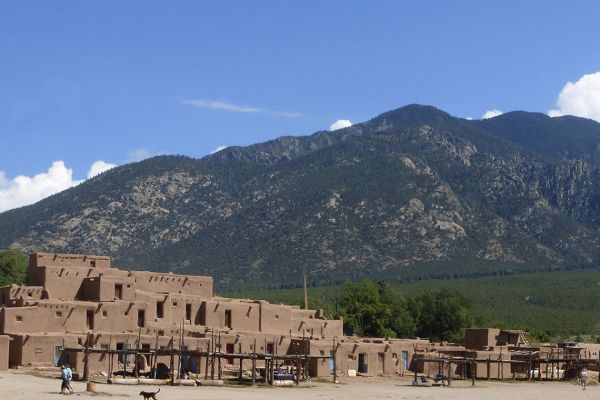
{"x": 18, "y": 386}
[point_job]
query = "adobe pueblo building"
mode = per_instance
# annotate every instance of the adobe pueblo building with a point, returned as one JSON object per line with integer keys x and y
{"x": 81, "y": 302}
{"x": 77, "y": 309}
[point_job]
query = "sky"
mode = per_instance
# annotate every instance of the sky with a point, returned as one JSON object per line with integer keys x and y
{"x": 87, "y": 85}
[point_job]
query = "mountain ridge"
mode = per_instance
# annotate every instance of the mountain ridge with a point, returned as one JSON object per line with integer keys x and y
{"x": 411, "y": 192}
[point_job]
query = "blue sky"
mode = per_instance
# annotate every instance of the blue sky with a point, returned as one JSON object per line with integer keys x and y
{"x": 82, "y": 81}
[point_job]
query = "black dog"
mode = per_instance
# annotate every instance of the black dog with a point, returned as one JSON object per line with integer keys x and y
{"x": 148, "y": 395}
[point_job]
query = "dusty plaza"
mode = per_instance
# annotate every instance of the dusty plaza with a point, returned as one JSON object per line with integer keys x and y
{"x": 23, "y": 386}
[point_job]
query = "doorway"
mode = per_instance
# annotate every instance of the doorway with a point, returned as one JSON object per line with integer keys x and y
{"x": 363, "y": 363}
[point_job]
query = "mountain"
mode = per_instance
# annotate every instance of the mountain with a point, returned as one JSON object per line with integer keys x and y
{"x": 413, "y": 193}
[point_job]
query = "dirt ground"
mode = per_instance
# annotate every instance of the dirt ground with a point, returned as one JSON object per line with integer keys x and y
{"x": 21, "y": 386}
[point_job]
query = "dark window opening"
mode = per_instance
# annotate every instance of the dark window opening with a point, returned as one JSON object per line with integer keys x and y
{"x": 160, "y": 309}
{"x": 270, "y": 348}
{"x": 228, "y": 318}
{"x": 201, "y": 315}
{"x": 89, "y": 320}
{"x": 188, "y": 312}
{"x": 118, "y": 291}
{"x": 141, "y": 318}
{"x": 229, "y": 349}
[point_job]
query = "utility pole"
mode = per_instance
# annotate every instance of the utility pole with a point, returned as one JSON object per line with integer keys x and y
{"x": 305, "y": 290}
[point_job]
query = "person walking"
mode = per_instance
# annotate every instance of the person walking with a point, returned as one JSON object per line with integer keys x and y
{"x": 69, "y": 379}
{"x": 64, "y": 379}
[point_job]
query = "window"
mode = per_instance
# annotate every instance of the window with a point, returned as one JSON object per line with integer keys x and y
{"x": 174, "y": 304}
{"x": 104, "y": 313}
{"x": 19, "y": 318}
{"x": 380, "y": 358}
{"x": 118, "y": 291}
{"x": 201, "y": 315}
{"x": 141, "y": 318}
{"x": 89, "y": 320}
{"x": 228, "y": 318}
{"x": 160, "y": 311}
{"x": 39, "y": 350}
{"x": 229, "y": 349}
{"x": 58, "y": 314}
{"x": 188, "y": 312}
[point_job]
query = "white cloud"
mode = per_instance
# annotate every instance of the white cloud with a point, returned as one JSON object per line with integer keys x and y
{"x": 340, "y": 124}
{"x": 99, "y": 167}
{"x": 226, "y": 106}
{"x": 218, "y": 149}
{"x": 24, "y": 190}
{"x": 491, "y": 113}
{"x": 581, "y": 98}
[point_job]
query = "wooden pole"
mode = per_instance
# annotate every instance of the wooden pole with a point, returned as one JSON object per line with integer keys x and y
{"x": 126, "y": 357}
{"x": 207, "y": 360}
{"x": 305, "y": 290}
{"x": 212, "y": 356}
{"x": 172, "y": 361}
{"x": 254, "y": 363}
{"x": 529, "y": 367}
{"x": 110, "y": 358}
{"x": 241, "y": 361}
{"x": 449, "y": 372}
{"x": 155, "y": 357}
{"x": 334, "y": 361}
{"x": 472, "y": 370}
{"x": 488, "y": 368}
{"x": 136, "y": 358}
{"x": 219, "y": 357}
{"x": 86, "y": 359}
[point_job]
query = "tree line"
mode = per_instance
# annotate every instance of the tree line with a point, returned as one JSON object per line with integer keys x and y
{"x": 376, "y": 309}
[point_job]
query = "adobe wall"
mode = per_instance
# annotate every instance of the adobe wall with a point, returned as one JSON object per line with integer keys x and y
{"x": 497, "y": 370}
{"x": 4, "y": 349}
{"x": 379, "y": 356}
{"x": 16, "y": 295}
{"x": 156, "y": 282}
{"x": 104, "y": 288}
{"x": 244, "y": 316}
{"x": 38, "y": 350}
{"x": 68, "y": 260}
{"x": 479, "y": 338}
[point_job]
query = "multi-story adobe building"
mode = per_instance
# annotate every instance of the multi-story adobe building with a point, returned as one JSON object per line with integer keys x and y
{"x": 71, "y": 300}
